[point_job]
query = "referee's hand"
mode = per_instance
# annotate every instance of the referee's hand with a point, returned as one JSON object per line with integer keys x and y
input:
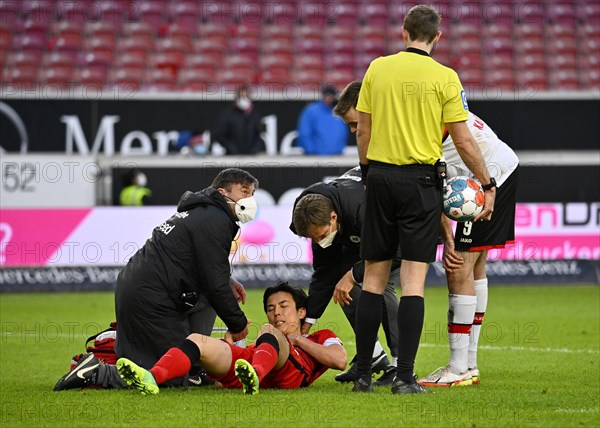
{"x": 488, "y": 206}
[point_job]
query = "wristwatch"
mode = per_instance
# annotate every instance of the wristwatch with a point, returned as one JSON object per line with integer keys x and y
{"x": 490, "y": 185}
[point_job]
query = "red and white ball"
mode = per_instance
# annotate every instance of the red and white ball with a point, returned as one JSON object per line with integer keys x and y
{"x": 463, "y": 198}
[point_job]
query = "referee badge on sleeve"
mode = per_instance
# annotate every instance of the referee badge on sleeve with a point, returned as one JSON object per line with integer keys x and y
{"x": 464, "y": 99}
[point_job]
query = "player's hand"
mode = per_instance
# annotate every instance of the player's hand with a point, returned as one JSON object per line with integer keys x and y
{"x": 488, "y": 205}
{"x": 451, "y": 260}
{"x": 341, "y": 294}
{"x": 306, "y": 326}
{"x": 231, "y": 337}
{"x": 238, "y": 290}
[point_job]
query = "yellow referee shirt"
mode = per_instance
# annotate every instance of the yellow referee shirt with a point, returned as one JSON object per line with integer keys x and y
{"x": 410, "y": 96}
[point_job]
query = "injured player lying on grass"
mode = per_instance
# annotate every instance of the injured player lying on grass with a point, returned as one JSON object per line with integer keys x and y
{"x": 281, "y": 357}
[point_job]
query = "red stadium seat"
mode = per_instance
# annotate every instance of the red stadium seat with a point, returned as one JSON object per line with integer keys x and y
{"x": 25, "y": 42}
{"x": 274, "y": 62}
{"x": 283, "y": 13}
{"x": 139, "y": 30}
{"x": 527, "y": 30}
{"x": 210, "y": 48}
{"x": 560, "y": 45}
{"x": 307, "y": 32}
{"x": 493, "y": 62}
{"x": 201, "y": 62}
{"x": 532, "y": 79}
{"x": 192, "y": 79}
{"x": 20, "y": 76}
{"x": 500, "y": 78}
{"x": 217, "y": 32}
{"x": 467, "y": 60}
{"x": 244, "y": 31}
{"x": 33, "y": 28}
{"x": 135, "y": 44}
{"x": 496, "y": 30}
{"x": 344, "y": 14}
{"x": 530, "y": 46}
{"x": 277, "y": 47}
{"x": 307, "y": 79}
{"x": 114, "y": 12}
{"x": 310, "y": 46}
{"x": 342, "y": 62}
{"x": 588, "y": 12}
{"x": 590, "y": 78}
{"x": 497, "y": 12}
{"x": 179, "y": 44}
{"x": 219, "y": 12}
{"x": 311, "y": 63}
{"x": 186, "y": 14}
{"x": 126, "y": 79}
{"x": 131, "y": 60}
{"x": 497, "y": 46}
{"x": 374, "y": 13}
{"x": 338, "y": 78}
{"x": 588, "y": 30}
{"x": 89, "y": 77}
{"x": 337, "y": 32}
{"x": 158, "y": 80}
{"x": 151, "y": 12}
{"x": 99, "y": 60}
{"x": 10, "y": 13}
{"x": 60, "y": 76}
{"x": 528, "y": 12}
{"x": 170, "y": 61}
{"x": 276, "y": 32}
{"x": 18, "y": 58}
{"x": 362, "y": 62}
{"x": 235, "y": 77}
{"x": 238, "y": 63}
{"x": 249, "y": 13}
{"x": 275, "y": 80}
{"x": 317, "y": 13}
{"x": 100, "y": 43}
{"x": 562, "y": 12}
{"x": 372, "y": 33}
{"x": 530, "y": 62}
{"x": 562, "y": 61}
{"x": 101, "y": 29}
{"x": 563, "y": 79}
{"x": 466, "y": 30}
{"x": 245, "y": 47}
{"x": 345, "y": 47}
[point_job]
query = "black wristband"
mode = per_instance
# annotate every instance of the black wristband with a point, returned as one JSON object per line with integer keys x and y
{"x": 490, "y": 185}
{"x": 364, "y": 169}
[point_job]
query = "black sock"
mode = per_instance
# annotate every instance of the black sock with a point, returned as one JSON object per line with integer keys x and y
{"x": 368, "y": 319}
{"x": 191, "y": 350}
{"x": 411, "y": 312}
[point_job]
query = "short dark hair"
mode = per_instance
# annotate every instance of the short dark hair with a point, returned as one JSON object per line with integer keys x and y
{"x": 422, "y": 23}
{"x": 298, "y": 294}
{"x": 230, "y": 176}
{"x": 311, "y": 209}
{"x": 348, "y": 98}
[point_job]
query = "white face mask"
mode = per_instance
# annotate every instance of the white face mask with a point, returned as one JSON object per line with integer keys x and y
{"x": 328, "y": 240}
{"x": 245, "y": 209}
{"x": 142, "y": 180}
{"x": 244, "y": 103}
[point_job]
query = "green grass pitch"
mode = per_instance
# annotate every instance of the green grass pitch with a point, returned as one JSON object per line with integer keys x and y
{"x": 539, "y": 361}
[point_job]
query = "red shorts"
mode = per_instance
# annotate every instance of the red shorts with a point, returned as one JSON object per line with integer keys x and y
{"x": 287, "y": 377}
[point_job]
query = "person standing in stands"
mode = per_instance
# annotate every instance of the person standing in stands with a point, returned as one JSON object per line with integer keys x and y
{"x": 320, "y": 132}
{"x": 239, "y": 126}
{"x": 135, "y": 193}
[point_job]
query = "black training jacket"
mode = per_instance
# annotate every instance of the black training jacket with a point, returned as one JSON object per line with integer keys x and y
{"x": 190, "y": 252}
{"x": 347, "y": 193}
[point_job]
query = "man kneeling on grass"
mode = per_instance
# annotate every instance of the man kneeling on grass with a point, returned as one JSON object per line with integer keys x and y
{"x": 281, "y": 357}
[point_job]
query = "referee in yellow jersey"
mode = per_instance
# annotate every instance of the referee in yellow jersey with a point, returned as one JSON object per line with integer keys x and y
{"x": 405, "y": 102}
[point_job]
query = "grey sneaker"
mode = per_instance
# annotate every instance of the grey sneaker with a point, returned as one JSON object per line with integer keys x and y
{"x": 401, "y": 387}
{"x": 363, "y": 384}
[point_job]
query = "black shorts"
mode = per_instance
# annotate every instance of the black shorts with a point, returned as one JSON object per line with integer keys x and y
{"x": 402, "y": 213}
{"x": 500, "y": 230}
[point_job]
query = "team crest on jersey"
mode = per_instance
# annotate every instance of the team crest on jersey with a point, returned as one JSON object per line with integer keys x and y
{"x": 354, "y": 239}
{"x": 464, "y": 99}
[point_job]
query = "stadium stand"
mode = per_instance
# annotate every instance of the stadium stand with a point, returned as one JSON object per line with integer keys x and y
{"x": 553, "y": 44}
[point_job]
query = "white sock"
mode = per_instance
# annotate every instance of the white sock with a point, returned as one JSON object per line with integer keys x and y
{"x": 481, "y": 290}
{"x": 395, "y": 361}
{"x": 460, "y": 319}
{"x": 377, "y": 350}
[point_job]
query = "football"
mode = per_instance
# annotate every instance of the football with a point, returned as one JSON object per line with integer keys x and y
{"x": 463, "y": 198}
